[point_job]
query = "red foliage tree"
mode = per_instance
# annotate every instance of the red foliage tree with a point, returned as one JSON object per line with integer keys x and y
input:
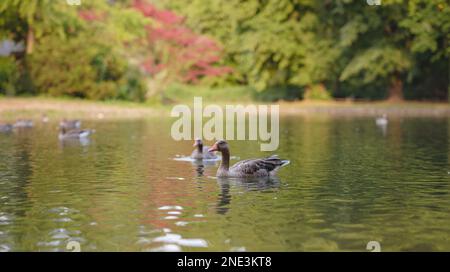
{"x": 91, "y": 15}
{"x": 176, "y": 50}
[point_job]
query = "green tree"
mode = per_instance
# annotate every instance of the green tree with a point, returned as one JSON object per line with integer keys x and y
{"x": 344, "y": 44}
{"x": 269, "y": 43}
{"x": 385, "y": 43}
{"x": 95, "y": 60}
{"x": 37, "y": 17}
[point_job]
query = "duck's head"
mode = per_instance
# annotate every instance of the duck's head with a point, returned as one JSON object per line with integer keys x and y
{"x": 62, "y": 122}
{"x": 198, "y": 142}
{"x": 220, "y": 146}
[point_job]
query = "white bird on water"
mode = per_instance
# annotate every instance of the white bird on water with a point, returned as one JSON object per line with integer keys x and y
{"x": 382, "y": 121}
{"x": 45, "y": 118}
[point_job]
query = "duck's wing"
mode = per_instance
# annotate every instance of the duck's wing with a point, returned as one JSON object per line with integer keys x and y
{"x": 73, "y": 132}
{"x": 252, "y": 166}
{"x": 79, "y": 132}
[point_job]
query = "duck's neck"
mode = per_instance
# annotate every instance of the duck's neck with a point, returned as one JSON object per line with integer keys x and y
{"x": 200, "y": 148}
{"x": 225, "y": 164}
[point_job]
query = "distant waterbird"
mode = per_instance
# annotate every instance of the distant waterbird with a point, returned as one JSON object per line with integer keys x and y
{"x": 22, "y": 123}
{"x": 201, "y": 152}
{"x": 5, "y": 128}
{"x": 65, "y": 134}
{"x": 70, "y": 124}
{"x": 382, "y": 121}
{"x": 45, "y": 118}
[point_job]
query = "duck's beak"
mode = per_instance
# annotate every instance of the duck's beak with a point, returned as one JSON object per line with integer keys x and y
{"x": 213, "y": 148}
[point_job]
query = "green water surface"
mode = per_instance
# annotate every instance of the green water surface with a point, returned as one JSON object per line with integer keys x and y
{"x": 349, "y": 182}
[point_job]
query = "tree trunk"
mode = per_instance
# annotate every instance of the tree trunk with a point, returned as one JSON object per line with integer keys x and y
{"x": 30, "y": 40}
{"x": 396, "y": 90}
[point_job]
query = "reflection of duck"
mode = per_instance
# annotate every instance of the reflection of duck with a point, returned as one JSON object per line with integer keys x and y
{"x": 6, "y": 128}
{"x": 201, "y": 152}
{"x": 247, "y": 168}
{"x": 224, "y": 197}
{"x": 75, "y": 142}
{"x": 382, "y": 121}
{"x": 248, "y": 184}
{"x": 74, "y": 134}
{"x": 252, "y": 184}
{"x": 200, "y": 169}
{"x": 201, "y": 164}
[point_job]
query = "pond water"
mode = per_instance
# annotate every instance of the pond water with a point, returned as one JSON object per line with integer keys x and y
{"x": 349, "y": 182}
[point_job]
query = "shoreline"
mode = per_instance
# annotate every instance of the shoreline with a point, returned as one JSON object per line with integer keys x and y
{"x": 35, "y": 107}
{"x": 367, "y": 109}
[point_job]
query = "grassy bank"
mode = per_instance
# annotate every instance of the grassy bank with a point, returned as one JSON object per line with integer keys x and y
{"x": 348, "y": 108}
{"x": 184, "y": 94}
{"x": 35, "y": 107}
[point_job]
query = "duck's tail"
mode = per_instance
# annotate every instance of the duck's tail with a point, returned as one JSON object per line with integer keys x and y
{"x": 285, "y": 162}
{"x": 280, "y": 162}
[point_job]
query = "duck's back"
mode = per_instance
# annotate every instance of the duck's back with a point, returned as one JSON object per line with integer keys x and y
{"x": 205, "y": 155}
{"x": 208, "y": 155}
{"x": 257, "y": 167}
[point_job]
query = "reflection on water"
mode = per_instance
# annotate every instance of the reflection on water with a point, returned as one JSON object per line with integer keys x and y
{"x": 246, "y": 184}
{"x": 349, "y": 182}
{"x": 74, "y": 142}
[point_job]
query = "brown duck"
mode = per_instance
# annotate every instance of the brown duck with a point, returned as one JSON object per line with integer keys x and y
{"x": 70, "y": 124}
{"x": 263, "y": 167}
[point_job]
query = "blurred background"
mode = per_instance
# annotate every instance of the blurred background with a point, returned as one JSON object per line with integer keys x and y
{"x": 162, "y": 51}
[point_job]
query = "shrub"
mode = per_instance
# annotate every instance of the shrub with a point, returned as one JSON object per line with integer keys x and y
{"x": 275, "y": 93}
{"x": 317, "y": 92}
{"x": 9, "y": 74}
{"x": 72, "y": 67}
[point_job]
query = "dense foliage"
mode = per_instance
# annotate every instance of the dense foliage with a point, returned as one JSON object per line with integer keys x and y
{"x": 174, "y": 53}
{"x": 350, "y": 47}
{"x": 281, "y": 49}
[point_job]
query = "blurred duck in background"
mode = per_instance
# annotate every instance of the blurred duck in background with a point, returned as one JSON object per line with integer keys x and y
{"x": 80, "y": 134}
{"x": 382, "y": 121}
{"x": 45, "y": 118}
{"x": 70, "y": 124}
{"x": 201, "y": 152}
{"x": 4, "y": 128}
{"x": 22, "y": 123}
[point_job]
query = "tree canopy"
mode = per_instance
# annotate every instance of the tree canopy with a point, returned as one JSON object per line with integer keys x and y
{"x": 135, "y": 49}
